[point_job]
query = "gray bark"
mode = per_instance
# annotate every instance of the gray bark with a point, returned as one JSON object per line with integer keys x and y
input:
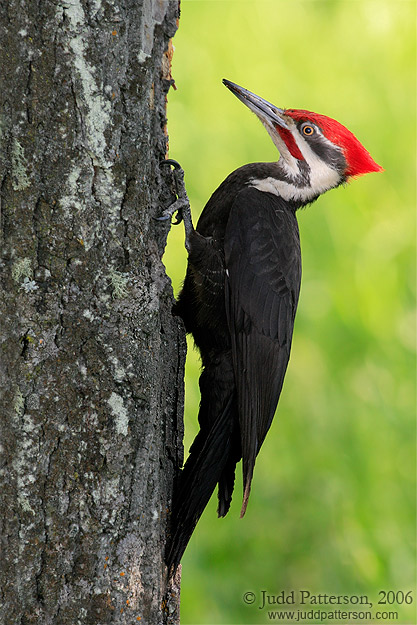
{"x": 91, "y": 357}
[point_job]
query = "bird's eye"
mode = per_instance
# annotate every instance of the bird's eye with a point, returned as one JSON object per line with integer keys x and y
{"x": 307, "y": 130}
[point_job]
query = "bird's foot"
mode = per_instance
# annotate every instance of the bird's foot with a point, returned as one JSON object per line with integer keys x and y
{"x": 181, "y": 206}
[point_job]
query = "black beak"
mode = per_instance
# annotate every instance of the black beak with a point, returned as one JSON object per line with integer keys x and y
{"x": 266, "y": 111}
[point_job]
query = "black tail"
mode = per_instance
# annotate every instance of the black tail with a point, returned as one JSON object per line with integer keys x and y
{"x": 201, "y": 473}
{"x": 211, "y": 461}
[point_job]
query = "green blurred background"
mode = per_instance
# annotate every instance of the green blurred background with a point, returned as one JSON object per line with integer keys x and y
{"x": 332, "y": 507}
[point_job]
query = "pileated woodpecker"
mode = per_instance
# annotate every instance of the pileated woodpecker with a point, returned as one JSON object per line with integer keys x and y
{"x": 240, "y": 296}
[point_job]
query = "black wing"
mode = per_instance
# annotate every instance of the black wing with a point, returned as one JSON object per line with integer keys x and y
{"x": 263, "y": 274}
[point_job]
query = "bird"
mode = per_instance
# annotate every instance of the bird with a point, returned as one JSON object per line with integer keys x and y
{"x": 240, "y": 295}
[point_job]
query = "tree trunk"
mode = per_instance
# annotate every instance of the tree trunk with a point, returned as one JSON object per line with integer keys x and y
{"x": 92, "y": 359}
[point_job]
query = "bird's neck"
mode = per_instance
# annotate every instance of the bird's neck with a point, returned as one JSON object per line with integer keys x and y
{"x": 298, "y": 185}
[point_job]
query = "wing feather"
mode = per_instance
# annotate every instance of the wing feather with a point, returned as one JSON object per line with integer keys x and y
{"x": 263, "y": 261}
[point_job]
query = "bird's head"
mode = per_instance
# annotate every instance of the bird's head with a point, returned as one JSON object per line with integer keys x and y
{"x": 314, "y": 148}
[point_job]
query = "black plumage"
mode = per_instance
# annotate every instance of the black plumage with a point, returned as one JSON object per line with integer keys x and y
{"x": 240, "y": 296}
{"x": 239, "y": 301}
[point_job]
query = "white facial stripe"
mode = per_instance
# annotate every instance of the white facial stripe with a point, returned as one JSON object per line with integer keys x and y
{"x": 283, "y": 189}
{"x": 322, "y": 176}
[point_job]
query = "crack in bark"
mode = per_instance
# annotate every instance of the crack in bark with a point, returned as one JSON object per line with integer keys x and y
{"x": 29, "y": 94}
{"x": 130, "y": 182}
{"x": 2, "y": 214}
{"x": 25, "y": 340}
{"x": 36, "y": 230}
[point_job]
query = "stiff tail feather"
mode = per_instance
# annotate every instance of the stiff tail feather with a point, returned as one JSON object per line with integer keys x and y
{"x": 208, "y": 457}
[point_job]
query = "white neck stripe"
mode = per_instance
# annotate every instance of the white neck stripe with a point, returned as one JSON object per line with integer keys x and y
{"x": 286, "y": 190}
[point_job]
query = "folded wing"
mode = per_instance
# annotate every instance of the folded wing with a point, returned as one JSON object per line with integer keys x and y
{"x": 263, "y": 262}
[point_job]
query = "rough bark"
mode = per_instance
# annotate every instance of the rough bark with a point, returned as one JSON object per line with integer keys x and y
{"x": 91, "y": 357}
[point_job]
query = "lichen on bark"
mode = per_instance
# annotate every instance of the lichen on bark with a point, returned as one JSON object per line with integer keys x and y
{"x": 91, "y": 357}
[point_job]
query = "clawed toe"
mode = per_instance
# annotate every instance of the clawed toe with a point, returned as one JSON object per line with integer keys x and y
{"x": 177, "y": 207}
{"x": 162, "y": 218}
{"x": 170, "y": 161}
{"x": 181, "y": 205}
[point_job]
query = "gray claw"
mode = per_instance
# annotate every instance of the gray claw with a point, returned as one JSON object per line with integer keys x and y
{"x": 162, "y": 218}
{"x": 170, "y": 161}
{"x": 176, "y": 207}
{"x": 181, "y": 205}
